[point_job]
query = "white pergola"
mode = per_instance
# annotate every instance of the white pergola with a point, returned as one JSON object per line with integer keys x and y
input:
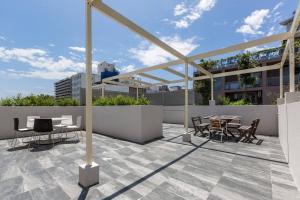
{"x": 100, "y": 6}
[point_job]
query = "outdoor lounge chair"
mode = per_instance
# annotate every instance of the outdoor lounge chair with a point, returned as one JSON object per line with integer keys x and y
{"x": 249, "y": 131}
{"x": 199, "y": 126}
{"x": 216, "y": 127}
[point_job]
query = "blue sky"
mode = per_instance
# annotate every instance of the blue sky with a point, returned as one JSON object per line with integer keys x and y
{"x": 42, "y": 41}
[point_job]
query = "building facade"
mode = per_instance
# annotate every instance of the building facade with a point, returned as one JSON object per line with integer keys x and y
{"x": 63, "y": 88}
{"x": 265, "y": 89}
{"x": 106, "y": 70}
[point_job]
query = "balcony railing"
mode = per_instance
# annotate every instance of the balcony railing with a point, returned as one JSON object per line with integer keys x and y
{"x": 235, "y": 85}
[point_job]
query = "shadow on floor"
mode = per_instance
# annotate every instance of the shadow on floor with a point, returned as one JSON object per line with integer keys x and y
{"x": 34, "y": 147}
{"x": 128, "y": 187}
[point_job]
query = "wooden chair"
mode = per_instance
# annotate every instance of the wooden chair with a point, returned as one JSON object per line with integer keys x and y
{"x": 216, "y": 127}
{"x": 234, "y": 125}
{"x": 199, "y": 126}
{"x": 249, "y": 131}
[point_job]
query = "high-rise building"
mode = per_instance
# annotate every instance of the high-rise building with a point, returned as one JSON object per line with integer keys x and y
{"x": 106, "y": 70}
{"x": 63, "y": 88}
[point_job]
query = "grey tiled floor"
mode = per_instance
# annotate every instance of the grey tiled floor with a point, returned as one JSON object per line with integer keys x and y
{"x": 164, "y": 169}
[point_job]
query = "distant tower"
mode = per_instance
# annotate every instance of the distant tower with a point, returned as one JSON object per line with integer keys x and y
{"x": 106, "y": 70}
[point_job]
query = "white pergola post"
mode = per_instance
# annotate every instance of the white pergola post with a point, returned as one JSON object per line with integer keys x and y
{"x": 281, "y": 82}
{"x": 186, "y": 137}
{"x": 88, "y": 172}
{"x": 292, "y": 64}
{"x": 212, "y": 101}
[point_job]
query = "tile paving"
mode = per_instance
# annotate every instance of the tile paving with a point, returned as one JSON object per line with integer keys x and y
{"x": 164, "y": 169}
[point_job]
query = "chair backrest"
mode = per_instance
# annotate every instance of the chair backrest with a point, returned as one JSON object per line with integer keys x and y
{"x": 78, "y": 121}
{"x": 42, "y": 125}
{"x": 254, "y": 126}
{"x": 30, "y": 121}
{"x": 196, "y": 121}
{"x": 215, "y": 123}
{"x": 16, "y": 124}
{"x": 67, "y": 120}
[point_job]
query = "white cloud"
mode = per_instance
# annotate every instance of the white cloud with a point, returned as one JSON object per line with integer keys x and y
{"x": 42, "y": 65}
{"x": 277, "y": 6}
{"x": 149, "y": 54}
{"x": 256, "y": 49}
{"x": 2, "y": 38}
{"x": 128, "y": 68}
{"x": 193, "y": 13}
{"x": 180, "y": 9}
{"x": 79, "y": 49}
{"x": 51, "y": 45}
{"x": 253, "y": 23}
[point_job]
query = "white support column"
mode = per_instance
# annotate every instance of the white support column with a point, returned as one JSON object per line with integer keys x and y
{"x": 281, "y": 82}
{"x": 186, "y": 137}
{"x": 292, "y": 64}
{"x": 212, "y": 101}
{"x": 103, "y": 90}
{"x": 88, "y": 172}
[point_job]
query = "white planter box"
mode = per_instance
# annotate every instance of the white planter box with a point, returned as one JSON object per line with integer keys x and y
{"x": 132, "y": 123}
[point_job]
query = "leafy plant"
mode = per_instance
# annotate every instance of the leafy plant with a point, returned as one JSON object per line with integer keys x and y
{"x": 67, "y": 102}
{"x": 222, "y": 100}
{"x": 204, "y": 86}
{"x": 120, "y": 100}
{"x": 245, "y": 61}
{"x": 37, "y": 100}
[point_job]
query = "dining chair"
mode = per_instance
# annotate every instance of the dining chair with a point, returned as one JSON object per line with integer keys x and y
{"x": 216, "y": 127}
{"x": 30, "y": 124}
{"x": 199, "y": 126}
{"x": 43, "y": 126}
{"x": 19, "y": 132}
{"x": 67, "y": 120}
{"x": 76, "y": 128}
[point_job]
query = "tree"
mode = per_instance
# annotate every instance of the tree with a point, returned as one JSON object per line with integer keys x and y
{"x": 245, "y": 61}
{"x": 204, "y": 86}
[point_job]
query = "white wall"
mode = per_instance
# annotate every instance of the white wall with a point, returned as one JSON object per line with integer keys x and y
{"x": 133, "y": 123}
{"x": 266, "y": 113}
{"x": 289, "y": 132}
{"x": 8, "y": 113}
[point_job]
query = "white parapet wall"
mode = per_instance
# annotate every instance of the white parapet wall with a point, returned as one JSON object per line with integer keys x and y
{"x": 138, "y": 124}
{"x": 289, "y": 132}
{"x": 266, "y": 113}
{"x": 7, "y": 113}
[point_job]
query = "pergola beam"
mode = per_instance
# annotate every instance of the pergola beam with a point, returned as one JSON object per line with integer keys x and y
{"x": 241, "y": 46}
{"x": 147, "y": 69}
{"x": 123, "y": 84}
{"x": 177, "y": 73}
{"x": 239, "y": 72}
{"x": 108, "y": 11}
{"x": 153, "y": 77}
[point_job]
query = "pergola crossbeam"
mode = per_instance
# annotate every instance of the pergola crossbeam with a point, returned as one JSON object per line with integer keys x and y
{"x": 239, "y": 72}
{"x": 241, "y": 46}
{"x": 177, "y": 73}
{"x": 108, "y": 11}
{"x": 153, "y": 77}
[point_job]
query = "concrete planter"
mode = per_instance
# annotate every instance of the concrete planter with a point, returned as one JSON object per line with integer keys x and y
{"x": 7, "y": 113}
{"x": 138, "y": 124}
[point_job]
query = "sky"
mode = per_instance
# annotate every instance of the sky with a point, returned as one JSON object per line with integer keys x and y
{"x": 42, "y": 41}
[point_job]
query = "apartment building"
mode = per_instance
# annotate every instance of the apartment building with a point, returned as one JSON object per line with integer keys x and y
{"x": 265, "y": 90}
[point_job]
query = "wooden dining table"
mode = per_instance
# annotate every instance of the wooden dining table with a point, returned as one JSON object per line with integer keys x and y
{"x": 226, "y": 119}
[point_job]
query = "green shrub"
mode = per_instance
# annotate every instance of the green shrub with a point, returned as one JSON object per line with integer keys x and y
{"x": 120, "y": 100}
{"x": 67, "y": 102}
{"x": 226, "y": 101}
{"x": 37, "y": 100}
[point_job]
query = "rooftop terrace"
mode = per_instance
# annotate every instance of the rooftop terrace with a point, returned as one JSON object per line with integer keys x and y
{"x": 164, "y": 169}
